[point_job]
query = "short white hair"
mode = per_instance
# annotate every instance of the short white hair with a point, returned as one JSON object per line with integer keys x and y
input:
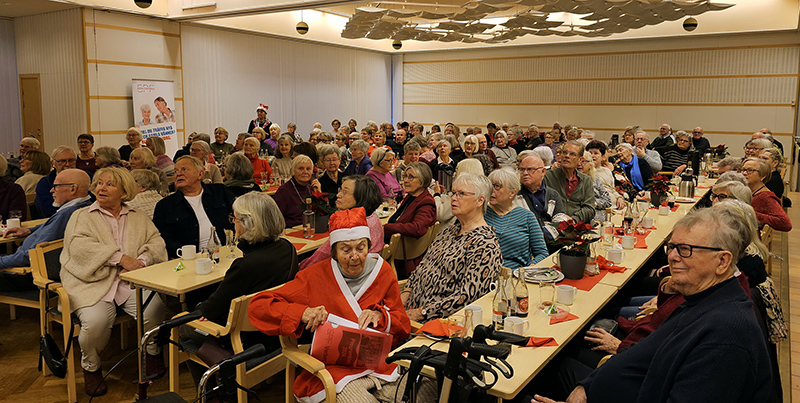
{"x": 479, "y": 184}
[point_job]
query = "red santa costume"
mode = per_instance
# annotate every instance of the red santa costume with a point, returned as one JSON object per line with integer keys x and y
{"x": 279, "y": 312}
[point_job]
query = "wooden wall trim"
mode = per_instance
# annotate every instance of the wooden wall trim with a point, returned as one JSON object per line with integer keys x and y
{"x": 137, "y": 30}
{"x": 550, "y": 80}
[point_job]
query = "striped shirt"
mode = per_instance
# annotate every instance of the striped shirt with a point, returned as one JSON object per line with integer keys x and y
{"x": 520, "y": 237}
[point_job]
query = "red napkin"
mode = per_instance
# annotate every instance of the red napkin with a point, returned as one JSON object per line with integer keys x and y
{"x": 298, "y": 246}
{"x": 586, "y": 283}
{"x": 703, "y": 187}
{"x": 605, "y": 264}
{"x": 673, "y": 209}
{"x": 564, "y": 319}
{"x": 439, "y": 327}
{"x": 541, "y": 342}
{"x": 316, "y": 237}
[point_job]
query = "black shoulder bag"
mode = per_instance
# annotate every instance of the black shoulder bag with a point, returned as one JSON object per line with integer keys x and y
{"x": 49, "y": 350}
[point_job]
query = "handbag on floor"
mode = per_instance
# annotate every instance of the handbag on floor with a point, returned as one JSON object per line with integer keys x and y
{"x": 49, "y": 352}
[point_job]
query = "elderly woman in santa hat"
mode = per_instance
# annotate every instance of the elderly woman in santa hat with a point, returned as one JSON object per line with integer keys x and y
{"x": 356, "y": 285}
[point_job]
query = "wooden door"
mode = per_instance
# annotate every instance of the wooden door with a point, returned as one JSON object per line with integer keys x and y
{"x": 31, "y": 100}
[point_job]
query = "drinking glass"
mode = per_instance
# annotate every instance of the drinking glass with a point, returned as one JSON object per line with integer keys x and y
{"x": 231, "y": 240}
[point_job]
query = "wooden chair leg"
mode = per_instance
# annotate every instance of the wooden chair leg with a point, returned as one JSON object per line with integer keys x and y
{"x": 240, "y": 378}
{"x": 290, "y": 382}
{"x": 123, "y": 337}
{"x": 12, "y": 312}
{"x": 174, "y": 362}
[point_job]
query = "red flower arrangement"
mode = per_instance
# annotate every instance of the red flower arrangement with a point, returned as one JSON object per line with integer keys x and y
{"x": 574, "y": 238}
{"x": 659, "y": 184}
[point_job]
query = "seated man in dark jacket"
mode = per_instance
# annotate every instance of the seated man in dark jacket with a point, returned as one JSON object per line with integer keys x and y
{"x": 711, "y": 348}
{"x": 186, "y": 216}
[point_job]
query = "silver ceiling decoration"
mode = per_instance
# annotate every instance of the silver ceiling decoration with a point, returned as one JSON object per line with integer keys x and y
{"x": 591, "y": 19}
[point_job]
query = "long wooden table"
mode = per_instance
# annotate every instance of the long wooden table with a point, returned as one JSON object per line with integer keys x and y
{"x": 529, "y": 361}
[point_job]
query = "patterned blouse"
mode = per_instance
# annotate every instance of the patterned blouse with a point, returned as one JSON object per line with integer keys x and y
{"x": 456, "y": 270}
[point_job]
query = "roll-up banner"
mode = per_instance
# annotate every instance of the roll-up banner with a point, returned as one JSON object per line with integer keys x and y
{"x": 154, "y": 111}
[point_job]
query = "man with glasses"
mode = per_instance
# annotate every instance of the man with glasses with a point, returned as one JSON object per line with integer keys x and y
{"x": 766, "y": 133}
{"x": 70, "y": 191}
{"x": 699, "y": 142}
{"x": 64, "y": 157}
{"x": 536, "y": 196}
{"x": 575, "y": 188}
{"x": 186, "y": 216}
{"x": 653, "y": 158}
{"x": 711, "y": 348}
{"x": 754, "y": 147}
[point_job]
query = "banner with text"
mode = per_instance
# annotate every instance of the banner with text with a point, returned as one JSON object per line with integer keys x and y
{"x": 153, "y": 103}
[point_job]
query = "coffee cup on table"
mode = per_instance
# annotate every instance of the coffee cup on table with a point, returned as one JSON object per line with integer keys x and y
{"x": 12, "y": 223}
{"x": 628, "y": 242}
{"x": 663, "y": 210}
{"x": 615, "y": 255}
{"x": 187, "y": 252}
{"x": 647, "y": 222}
{"x": 513, "y": 324}
{"x": 477, "y": 313}
{"x": 204, "y": 265}
{"x": 565, "y": 294}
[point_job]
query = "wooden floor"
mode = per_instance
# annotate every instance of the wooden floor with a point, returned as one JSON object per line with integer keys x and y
{"x": 20, "y": 382}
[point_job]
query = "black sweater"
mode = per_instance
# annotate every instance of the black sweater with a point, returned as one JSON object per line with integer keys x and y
{"x": 709, "y": 350}
{"x": 263, "y": 266}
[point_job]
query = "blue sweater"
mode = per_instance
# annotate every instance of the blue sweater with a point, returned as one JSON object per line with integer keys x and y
{"x": 519, "y": 235}
{"x": 44, "y": 199}
{"x": 51, "y": 230}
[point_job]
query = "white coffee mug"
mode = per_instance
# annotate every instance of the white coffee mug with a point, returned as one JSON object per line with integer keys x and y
{"x": 493, "y": 286}
{"x": 663, "y": 210}
{"x": 628, "y": 241}
{"x": 205, "y": 265}
{"x": 513, "y": 324}
{"x": 187, "y": 252}
{"x": 615, "y": 255}
{"x": 12, "y": 223}
{"x": 647, "y": 222}
{"x": 477, "y": 313}
{"x": 565, "y": 294}
{"x": 643, "y": 205}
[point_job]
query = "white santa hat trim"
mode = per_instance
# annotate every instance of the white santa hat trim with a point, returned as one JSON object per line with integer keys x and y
{"x": 349, "y": 234}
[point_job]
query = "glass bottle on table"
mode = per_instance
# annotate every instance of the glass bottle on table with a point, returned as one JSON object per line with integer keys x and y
{"x": 627, "y": 219}
{"x": 520, "y": 294}
{"x": 213, "y": 245}
{"x": 308, "y": 220}
{"x": 510, "y": 291}
{"x": 500, "y": 302}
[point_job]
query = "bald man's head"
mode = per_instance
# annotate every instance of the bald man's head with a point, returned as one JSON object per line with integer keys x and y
{"x": 78, "y": 177}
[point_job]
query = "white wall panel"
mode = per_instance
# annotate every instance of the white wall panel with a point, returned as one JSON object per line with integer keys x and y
{"x": 10, "y": 125}
{"x": 228, "y": 74}
{"x": 730, "y": 86}
{"x": 58, "y": 57}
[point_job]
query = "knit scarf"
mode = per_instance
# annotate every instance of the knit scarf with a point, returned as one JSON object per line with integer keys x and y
{"x": 635, "y": 176}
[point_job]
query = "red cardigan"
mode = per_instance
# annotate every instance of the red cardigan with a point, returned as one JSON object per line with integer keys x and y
{"x": 770, "y": 212}
{"x": 260, "y": 166}
{"x": 415, "y": 220}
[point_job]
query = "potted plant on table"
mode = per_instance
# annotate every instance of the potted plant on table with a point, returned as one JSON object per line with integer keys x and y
{"x": 574, "y": 240}
{"x": 659, "y": 187}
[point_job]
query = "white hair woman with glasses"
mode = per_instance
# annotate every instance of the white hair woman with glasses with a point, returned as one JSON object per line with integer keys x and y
{"x": 518, "y": 233}
{"x": 267, "y": 261}
{"x": 444, "y": 213}
{"x": 461, "y": 262}
{"x": 630, "y": 168}
{"x": 506, "y": 156}
{"x": 330, "y": 180}
{"x": 381, "y": 172}
{"x": 768, "y": 208}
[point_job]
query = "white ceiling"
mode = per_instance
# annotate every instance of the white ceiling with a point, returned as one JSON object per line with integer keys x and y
{"x": 456, "y": 24}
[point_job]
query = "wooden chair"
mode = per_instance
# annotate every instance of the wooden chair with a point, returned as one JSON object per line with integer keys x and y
{"x": 46, "y": 267}
{"x": 295, "y": 356}
{"x": 30, "y": 203}
{"x": 766, "y": 238}
{"x": 403, "y": 247}
{"x": 28, "y": 299}
{"x": 248, "y": 374}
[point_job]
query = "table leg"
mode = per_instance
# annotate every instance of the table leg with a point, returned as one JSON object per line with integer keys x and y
{"x": 139, "y": 328}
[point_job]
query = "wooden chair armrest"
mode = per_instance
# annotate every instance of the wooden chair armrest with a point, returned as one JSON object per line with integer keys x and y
{"x": 18, "y": 270}
{"x": 604, "y": 359}
{"x": 300, "y": 358}
{"x": 40, "y": 282}
{"x": 63, "y": 298}
{"x": 213, "y": 329}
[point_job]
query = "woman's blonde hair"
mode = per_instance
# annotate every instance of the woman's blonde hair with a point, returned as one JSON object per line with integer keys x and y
{"x": 121, "y": 179}
{"x": 159, "y": 148}
{"x": 146, "y": 155}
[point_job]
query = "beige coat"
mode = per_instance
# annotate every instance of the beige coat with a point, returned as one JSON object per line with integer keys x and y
{"x": 88, "y": 245}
